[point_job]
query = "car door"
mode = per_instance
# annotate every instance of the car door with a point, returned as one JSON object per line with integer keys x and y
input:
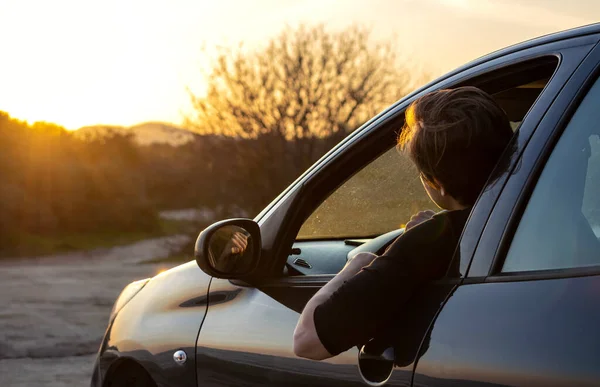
{"x": 527, "y": 313}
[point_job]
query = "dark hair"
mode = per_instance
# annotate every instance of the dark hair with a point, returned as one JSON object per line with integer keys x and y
{"x": 456, "y": 137}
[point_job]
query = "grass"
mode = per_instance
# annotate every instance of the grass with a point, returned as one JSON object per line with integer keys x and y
{"x": 36, "y": 245}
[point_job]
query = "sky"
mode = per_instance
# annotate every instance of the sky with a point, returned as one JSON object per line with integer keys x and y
{"x": 88, "y": 62}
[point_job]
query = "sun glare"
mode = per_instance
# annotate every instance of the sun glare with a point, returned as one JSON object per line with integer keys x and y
{"x": 116, "y": 62}
{"x": 457, "y": 3}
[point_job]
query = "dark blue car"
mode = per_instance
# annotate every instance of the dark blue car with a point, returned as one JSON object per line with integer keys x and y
{"x": 522, "y": 309}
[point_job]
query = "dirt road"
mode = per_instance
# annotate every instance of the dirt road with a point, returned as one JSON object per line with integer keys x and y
{"x": 55, "y": 309}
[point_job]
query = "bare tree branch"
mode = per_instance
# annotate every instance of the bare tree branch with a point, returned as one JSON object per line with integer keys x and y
{"x": 306, "y": 84}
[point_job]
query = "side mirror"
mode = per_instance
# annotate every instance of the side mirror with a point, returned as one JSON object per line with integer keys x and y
{"x": 229, "y": 249}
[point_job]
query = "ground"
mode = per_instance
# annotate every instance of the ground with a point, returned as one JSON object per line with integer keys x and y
{"x": 56, "y": 309}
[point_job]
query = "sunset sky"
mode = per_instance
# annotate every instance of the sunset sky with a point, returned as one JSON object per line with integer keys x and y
{"x": 86, "y": 62}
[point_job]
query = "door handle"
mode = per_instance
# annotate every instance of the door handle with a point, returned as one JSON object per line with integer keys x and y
{"x": 375, "y": 363}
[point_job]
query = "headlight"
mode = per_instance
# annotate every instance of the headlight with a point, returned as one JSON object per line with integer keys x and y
{"x": 126, "y": 295}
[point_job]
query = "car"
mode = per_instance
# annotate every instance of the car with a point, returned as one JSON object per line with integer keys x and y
{"x": 520, "y": 304}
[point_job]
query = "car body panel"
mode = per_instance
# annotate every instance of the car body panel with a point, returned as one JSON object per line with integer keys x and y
{"x": 163, "y": 317}
{"x": 246, "y": 340}
{"x": 530, "y": 333}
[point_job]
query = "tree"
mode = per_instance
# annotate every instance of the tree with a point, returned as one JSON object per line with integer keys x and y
{"x": 54, "y": 183}
{"x": 296, "y": 97}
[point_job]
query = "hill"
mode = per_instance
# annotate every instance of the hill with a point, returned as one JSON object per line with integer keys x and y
{"x": 144, "y": 134}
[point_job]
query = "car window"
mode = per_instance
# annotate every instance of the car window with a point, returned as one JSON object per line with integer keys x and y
{"x": 560, "y": 227}
{"x": 379, "y": 198}
{"x": 384, "y": 194}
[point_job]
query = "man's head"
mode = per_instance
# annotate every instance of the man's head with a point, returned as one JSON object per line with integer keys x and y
{"x": 455, "y": 138}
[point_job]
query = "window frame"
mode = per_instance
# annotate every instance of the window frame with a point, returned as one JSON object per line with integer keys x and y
{"x": 531, "y": 164}
{"x": 281, "y": 220}
{"x": 485, "y": 75}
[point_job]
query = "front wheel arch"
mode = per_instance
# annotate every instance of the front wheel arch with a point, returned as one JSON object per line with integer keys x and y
{"x": 128, "y": 373}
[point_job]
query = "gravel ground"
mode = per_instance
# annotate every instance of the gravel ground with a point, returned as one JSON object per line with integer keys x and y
{"x": 56, "y": 372}
{"x": 56, "y": 308}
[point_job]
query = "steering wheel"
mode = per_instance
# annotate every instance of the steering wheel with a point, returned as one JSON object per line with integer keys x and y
{"x": 376, "y": 245}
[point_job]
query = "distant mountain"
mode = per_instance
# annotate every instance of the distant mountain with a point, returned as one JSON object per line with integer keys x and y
{"x": 144, "y": 134}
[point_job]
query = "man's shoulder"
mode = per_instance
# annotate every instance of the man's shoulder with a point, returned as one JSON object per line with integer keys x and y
{"x": 430, "y": 230}
{"x": 439, "y": 233}
{"x": 440, "y": 223}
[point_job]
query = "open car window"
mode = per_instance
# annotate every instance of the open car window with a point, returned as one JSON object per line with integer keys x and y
{"x": 384, "y": 194}
{"x": 367, "y": 210}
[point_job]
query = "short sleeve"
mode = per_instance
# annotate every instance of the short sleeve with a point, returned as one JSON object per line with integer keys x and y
{"x": 350, "y": 316}
{"x": 365, "y": 303}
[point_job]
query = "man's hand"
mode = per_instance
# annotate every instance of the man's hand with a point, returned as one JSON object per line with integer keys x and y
{"x": 357, "y": 262}
{"x": 418, "y": 219}
{"x": 237, "y": 244}
{"x": 232, "y": 252}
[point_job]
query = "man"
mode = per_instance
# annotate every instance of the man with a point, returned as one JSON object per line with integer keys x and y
{"x": 455, "y": 138}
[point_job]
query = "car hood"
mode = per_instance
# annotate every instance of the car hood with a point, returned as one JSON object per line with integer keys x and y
{"x": 175, "y": 298}
{"x": 178, "y": 287}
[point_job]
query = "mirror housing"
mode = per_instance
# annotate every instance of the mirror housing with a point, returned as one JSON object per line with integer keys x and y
{"x": 229, "y": 249}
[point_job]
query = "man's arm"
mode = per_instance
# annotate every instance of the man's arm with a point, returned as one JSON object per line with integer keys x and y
{"x": 306, "y": 341}
{"x": 351, "y": 306}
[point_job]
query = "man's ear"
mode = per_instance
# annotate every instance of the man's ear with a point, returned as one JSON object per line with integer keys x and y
{"x": 440, "y": 187}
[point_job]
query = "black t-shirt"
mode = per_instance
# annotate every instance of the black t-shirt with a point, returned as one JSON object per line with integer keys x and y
{"x": 365, "y": 303}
